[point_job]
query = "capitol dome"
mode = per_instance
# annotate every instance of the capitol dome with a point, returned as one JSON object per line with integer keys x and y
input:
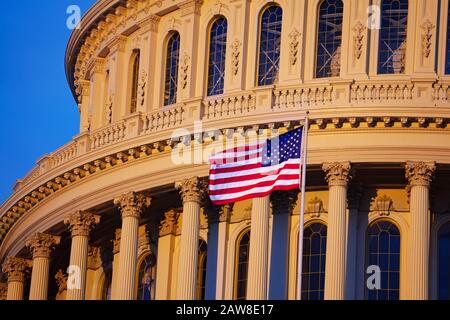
{"x": 122, "y": 211}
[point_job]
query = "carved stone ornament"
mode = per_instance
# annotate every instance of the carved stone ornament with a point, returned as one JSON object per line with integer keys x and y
{"x": 293, "y": 46}
{"x": 94, "y": 257}
{"x": 81, "y": 223}
{"x": 132, "y": 203}
{"x": 141, "y": 88}
{"x": 185, "y": 63}
{"x": 116, "y": 240}
{"x": 315, "y": 207}
{"x": 109, "y": 108}
{"x": 420, "y": 173}
{"x": 41, "y": 244}
{"x": 217, "y": 7}
{"x": 383, "y": 205}
{"x": 192, "y": 189}
{"x": 16, "y": 269}
{"x": 359, "y": 31}
{"x": 169, "y": 222}
{"x": 337, "y": 174}
{"x": 235, "y": 55}
{"x": 61, "y": 281}
{"x": 427, "y": 35}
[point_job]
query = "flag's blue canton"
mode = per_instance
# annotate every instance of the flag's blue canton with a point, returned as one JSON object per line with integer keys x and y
{"x": 282, "y": 148}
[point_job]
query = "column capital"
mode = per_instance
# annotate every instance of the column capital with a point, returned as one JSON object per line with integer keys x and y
{"x": 337, "y": 173}
{"x": 42, "y": 244}
{"x": 192, "y": 190}
{"x": 61, "y": 280}
{"x": 81, "y": 223}
{"x": 420, "y": 173}
{"x": 169, "y": 223}
{"x": 16, "y": 268}
{"x": 282, "y": 200}
{"x": 132, "y": 203}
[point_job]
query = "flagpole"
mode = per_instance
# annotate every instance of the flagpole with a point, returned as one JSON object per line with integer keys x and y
{"x": 302, "y": 206}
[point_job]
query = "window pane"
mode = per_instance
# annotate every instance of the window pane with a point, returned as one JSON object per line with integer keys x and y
{"x": 269, "y": 45}
{"x": 392, "y": 42}
{"x": 242, "y": 266}
{"x": 383, "y": 250}
{"x": 328, "y": 63}
{"x": 201, "y": 275}
{"x": 217, "y": 52}
{"x": 172, "y": 59}
{"x": 147, "y": 278}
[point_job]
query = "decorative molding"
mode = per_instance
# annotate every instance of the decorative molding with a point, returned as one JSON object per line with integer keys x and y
{"x": 109, "y": 108}
{"x": 94, "y": 257}
{"x": 168, "y": 225}
{"x": 192, "y": 190}
{"x": 190, "y": 7}
{"x": 184, "y": 67}
{"x": 131, "y": 204}
{"x": 383, "y": 205}
{"x": 420, "y": 173}
{"x": 427, "y": 35}
{"x": 81, "y": 223}
{"x": 42, "y": 244}
{"x": 61, "y": 281}
{"x": 116, "y": 240}
{"x": 315, "y": 207}
{"x": 294, "y": 41}
{"x": 235, "y": 55}
{"x": 16, "y": 269}
{"x": 337, "y": 173}
{"x": 141, "y": 88}
{"x": 359, "y": 31}
{"x": 217, "y": 6}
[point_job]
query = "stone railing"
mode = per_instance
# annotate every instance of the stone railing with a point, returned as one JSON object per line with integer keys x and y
{"x": 109, "y": 135}
{"x": 229, "y": 106}
{"x": 349, "y": 94}
{"x": 159, "y": 120}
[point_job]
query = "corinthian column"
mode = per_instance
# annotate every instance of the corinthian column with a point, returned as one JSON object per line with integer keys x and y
{"x": 80, "y": 225}
{"x": 41, "y": 246}
{"x": 192, "y": 193}
{"x": 337, "y": 176}
{"x": 16, "y": 269}
{"x": 131, "y": 206}
{"x": 259, "y": 249}
{"x": 419, "y": 175}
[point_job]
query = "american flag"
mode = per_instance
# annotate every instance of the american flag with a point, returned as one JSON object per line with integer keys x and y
{"x": 256, "y": 170}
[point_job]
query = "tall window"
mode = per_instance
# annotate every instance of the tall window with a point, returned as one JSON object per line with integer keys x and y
{"x": 172, "y": 60}
{"x": 392, "y": 42}
{"x": 201, "y": 276}
{"x": 444, "y": 262}
{"x": 383, "y": 251}
{"x": 447, "y": 60}
{"x": 269, "y": 45}
{"x": 241, "y": 271}
{"x": 217, "y": 52}
{"x": 134, "y": 81}
{"x": 147, "y": 278}
{"x": 328, "y": 63}
{"x": 314, "y": 252}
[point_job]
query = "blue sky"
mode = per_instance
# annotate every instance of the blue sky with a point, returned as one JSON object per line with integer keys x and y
{"x": 37, "y": 111}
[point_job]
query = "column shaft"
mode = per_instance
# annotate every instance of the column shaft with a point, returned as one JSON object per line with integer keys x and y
{"x": 39, "y": 278}
{"x": 15, "y": 290}
{"x": 126, "y": 281}
{"x": 259, "y": 249}
{"x": 76, "y": 283}
{"x": 188, "y": 263}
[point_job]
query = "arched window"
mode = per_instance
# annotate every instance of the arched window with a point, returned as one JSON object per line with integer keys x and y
{"x": 383, "y": 252}
{"x": 241, "y": 266}
{"x": 444, "y": 262}
{"x": 217, "y": 52}
{"x": 147, "y": 278}
{"x": 134, "y": 81}
{"x": 172, "y": 60}
{"x": 392, "y": 39}
{"x": 269, "y": 45}
{"x": 447, "y": 60}
{"x": 201, "y": 276}
{"x": 314, "y": 252}
{"x": 106, "y": 290}
{"x": 329, "y": 38}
